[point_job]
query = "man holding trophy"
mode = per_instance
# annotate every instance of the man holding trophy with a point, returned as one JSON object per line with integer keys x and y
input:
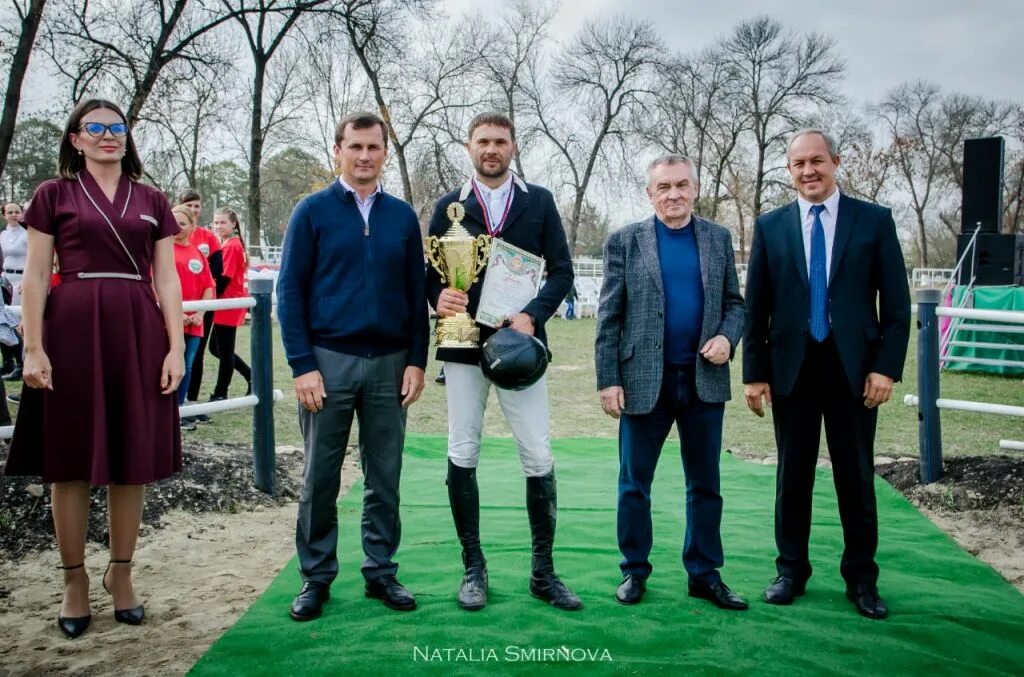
{"x": 518, "y": 224}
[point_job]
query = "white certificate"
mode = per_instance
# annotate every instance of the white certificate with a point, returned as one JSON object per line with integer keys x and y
{"x": 512, "y": 280}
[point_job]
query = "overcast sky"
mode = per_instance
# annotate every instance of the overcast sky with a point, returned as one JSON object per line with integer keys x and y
{"x": 971, "y": 47}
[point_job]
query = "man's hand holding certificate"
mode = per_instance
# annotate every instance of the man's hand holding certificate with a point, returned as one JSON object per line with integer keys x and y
{"x": 512, "y": 280}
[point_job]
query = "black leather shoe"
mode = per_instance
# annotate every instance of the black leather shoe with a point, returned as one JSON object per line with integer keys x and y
{"x": 783, "y": 590}
{"x": 308, "y": 604}
{"x": 720, "y": 595}
{"x": 631, "y": 590}
{"x": 473, "y": 591}
{"x": 865, "y": 598}
{"x": 394, "y": 595}
{"x": 550, "y": 588}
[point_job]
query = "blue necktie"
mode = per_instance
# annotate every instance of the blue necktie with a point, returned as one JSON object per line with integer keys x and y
{"x": 818, "y": 277}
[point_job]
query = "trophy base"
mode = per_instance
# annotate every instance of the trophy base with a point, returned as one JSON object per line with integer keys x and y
{"x": 459, "y": 331}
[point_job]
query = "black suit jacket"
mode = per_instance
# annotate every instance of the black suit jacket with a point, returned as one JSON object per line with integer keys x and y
{"x": 532, "y": 224}
{"x": 869, "y": 299}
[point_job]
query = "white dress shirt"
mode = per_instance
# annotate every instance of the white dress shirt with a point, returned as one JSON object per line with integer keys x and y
{"x": 364, "y": 205}
{"x": 494, "y": 199}
{"x": 828, "y": 221}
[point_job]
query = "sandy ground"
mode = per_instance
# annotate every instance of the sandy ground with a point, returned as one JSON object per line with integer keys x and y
{"x": 198, "y": 575}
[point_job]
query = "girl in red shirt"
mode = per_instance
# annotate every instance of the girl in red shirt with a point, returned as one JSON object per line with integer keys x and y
{"x": 231, "y": 284}
{"x": 196, "y": 285}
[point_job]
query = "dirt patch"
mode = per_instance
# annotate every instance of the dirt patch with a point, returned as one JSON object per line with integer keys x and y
{"x": 216, "y": 478}
{"x": 979, "y": 502}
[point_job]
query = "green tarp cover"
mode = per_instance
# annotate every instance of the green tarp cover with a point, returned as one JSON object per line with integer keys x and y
{"x": 988, "y": 298}
{"x": 950, "y": 614}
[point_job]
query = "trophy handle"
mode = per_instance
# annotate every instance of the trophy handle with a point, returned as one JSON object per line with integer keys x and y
{"x": 481, "y": 250}
{"x": 433, "y": 251}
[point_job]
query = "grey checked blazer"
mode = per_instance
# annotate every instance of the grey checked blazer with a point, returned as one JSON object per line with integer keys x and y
{"x": 631, "y": 317}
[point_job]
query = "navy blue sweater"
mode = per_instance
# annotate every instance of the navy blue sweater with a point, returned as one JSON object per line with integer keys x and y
{"x": 684, "y": 292}
{"x": 342, "y": 289}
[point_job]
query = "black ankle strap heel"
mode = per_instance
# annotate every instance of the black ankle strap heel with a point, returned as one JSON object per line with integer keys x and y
{"x": 133, "y": 616}
{"x": 73, "y": 627}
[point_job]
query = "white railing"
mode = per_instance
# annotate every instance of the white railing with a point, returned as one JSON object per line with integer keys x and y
{"x": 930, "y": 278}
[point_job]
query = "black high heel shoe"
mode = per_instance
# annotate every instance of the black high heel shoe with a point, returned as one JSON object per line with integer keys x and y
{"x": 73, "y": 627}
{"x": 133, "y": 616}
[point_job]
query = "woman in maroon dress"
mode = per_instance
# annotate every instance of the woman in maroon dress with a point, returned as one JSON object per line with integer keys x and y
{"x": 102, "y": 358}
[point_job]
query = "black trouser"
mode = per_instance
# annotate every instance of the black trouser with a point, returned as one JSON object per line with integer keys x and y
{"x": 196, "y": 378}
{"x": 821, "y": 392}
{"x": 12, "y": 354}
{"x": 222, "y": 345}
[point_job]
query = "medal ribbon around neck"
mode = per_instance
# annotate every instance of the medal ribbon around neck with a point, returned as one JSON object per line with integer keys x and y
{"x": 494, "y": 230}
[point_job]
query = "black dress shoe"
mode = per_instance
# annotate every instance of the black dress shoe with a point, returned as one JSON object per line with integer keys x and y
{"x": 865, "y": 598}
{"x": 392, "y": 593}
{"x": 783, "y": 590}
{"x": 720, "y": 594}
{"x": 308, "y": 604}
{"x": 631, "y": 590}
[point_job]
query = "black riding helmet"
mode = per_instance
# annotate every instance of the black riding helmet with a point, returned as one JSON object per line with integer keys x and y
{"x": 513, "y": 360}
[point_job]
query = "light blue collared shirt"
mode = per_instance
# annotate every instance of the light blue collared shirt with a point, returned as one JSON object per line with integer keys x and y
{"x": 364, "y": 205}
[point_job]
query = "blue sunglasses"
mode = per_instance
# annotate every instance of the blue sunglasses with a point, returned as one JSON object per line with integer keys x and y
{"x": 97, "y": 129}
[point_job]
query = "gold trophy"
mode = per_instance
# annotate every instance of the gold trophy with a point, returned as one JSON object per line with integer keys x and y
{"x": 458, "y": 257}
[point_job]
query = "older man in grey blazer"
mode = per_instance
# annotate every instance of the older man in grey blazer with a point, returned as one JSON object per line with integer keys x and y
{"x": 670, "y": 317}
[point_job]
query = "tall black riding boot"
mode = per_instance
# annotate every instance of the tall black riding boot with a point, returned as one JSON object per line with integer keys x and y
{"x": 542, "y": 507}
{"x": 464, "y": 497}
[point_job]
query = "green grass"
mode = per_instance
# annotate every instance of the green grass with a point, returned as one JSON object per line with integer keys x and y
{"x": 575, "y": 411}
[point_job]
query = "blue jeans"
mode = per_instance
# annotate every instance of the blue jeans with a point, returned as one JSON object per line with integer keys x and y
{"x": 191, "y": 346}
{"x": 640, "y": 441}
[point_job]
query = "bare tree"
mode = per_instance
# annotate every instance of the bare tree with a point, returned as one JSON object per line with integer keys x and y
{"x": 910, "y": 113}
{"x": 30, "y": 16}
{"x": 784, "y": 78}
{"x": 331, "y": 84}
{"x": 411, "y": 84}
{"x": 698, "y": 112}
{"x": 507, "y": 51}
{"x": 183, "y": 119}
{"x": 605, "y": 74}
{"x": 128, "y": 45}
{"x": 265, "y": 24}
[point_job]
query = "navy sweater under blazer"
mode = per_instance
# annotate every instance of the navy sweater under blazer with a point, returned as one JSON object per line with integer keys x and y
{"x": 351, "y": 289}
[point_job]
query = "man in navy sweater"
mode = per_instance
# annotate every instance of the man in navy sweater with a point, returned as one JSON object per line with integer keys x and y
{"x": 524, "y": 215}
{"x": 352, "y": 308}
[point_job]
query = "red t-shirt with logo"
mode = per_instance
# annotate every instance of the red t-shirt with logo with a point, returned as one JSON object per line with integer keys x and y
{"x": 237, "y": 269}
{"x": 194, "y": 273}
{"x": 205, "y": 241}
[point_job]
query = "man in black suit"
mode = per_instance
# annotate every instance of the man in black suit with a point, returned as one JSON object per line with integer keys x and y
{"x": 499, "y": 203}
{"x": 828, "y": 321}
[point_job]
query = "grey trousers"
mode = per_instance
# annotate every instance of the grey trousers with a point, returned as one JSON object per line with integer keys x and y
{"x": 370, "y": 389}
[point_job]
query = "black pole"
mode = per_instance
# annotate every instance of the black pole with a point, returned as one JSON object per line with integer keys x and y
{"x": 262, "y": 386}
{"x": 929, "y": 427}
